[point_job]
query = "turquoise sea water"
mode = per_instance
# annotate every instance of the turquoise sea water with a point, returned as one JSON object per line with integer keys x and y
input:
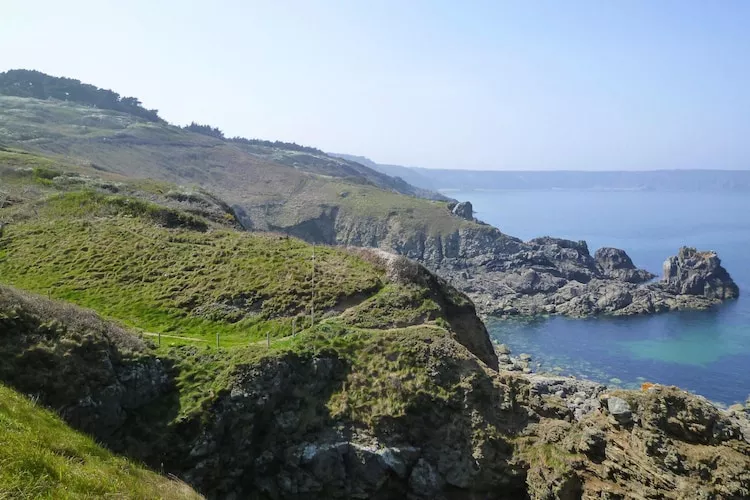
{"x": 704, "y": 352}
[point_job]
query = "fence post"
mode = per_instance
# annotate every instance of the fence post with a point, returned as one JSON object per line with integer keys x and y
{"x": 312, "y": 296}
{"x": 217, "y": 340}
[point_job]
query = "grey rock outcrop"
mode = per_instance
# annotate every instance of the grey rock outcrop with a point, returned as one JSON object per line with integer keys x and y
{"x": 691, "y": 272}
{"x": 555, "y": 276}
{"x": 248, "y": 446}
{"x": 619, "y": 409}
{"x": 464, "y": 210}
{"x": 616, "y": 264}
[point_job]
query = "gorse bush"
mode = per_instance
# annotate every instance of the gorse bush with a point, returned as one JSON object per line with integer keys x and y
{"x": 205, "y": 130}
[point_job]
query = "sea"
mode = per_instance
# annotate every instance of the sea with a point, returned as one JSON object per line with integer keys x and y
{"x": 704, "y": 352}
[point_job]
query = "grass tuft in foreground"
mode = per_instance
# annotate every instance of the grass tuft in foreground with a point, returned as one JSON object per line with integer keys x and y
{"x": 41, "y": 457}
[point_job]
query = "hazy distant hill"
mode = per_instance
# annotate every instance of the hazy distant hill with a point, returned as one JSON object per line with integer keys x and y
{"x": 655, "y": 180}
{"x": 414, "y": 176}
{"x": 57, "y": 115}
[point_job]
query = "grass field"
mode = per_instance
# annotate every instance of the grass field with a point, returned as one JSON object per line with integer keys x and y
{"x": 180, "y": 281}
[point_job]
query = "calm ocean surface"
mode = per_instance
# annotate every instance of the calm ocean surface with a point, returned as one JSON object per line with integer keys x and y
{"x": 704, "y": 352}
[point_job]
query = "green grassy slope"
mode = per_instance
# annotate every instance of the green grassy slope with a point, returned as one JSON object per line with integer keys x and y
{"x": 67, "y": 355}
{"x": 41, "y": 457}
{"x": 189, "y": 278}
{"x": 161, "y": 270}
{"x": 162, "y": 267}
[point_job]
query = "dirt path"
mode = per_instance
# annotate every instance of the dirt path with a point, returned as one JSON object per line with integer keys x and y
{"x": 174, "y": 337}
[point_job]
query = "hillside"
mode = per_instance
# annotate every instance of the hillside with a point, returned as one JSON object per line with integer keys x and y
{"x": 166, "y": 260}
{"x": 26, "y": 83}
{"x": 419, "y": 177}
{"x": 271, "y": 185}
{"x": 300, "y": 191}
{"x": 87, "y": 108}
{"x": 263, "y": 193}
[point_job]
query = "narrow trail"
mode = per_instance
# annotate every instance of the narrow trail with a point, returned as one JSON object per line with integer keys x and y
{"x": 164, "y": 335}
{"x": 263, "y": 341}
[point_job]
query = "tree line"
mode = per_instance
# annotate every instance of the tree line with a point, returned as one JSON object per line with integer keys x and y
{"x": 38, "y": 85}
{"x": 219, "y": 134}
{"x": 29, "y": 83}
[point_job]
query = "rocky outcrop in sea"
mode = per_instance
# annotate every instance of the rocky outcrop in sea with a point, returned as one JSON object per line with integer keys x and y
{"x": 556, "y": 276}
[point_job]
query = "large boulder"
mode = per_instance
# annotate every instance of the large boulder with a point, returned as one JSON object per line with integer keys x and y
{"x": 565, "y": 258}
{"x": 464, "y": 210}
{"x": 692, "y": 272}
{"x": 619, "y": 409}
{"x": 611, "y": 259}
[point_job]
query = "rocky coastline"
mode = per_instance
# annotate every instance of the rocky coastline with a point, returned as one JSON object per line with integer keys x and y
{"x": 506, "y": 276}
{"x": 546, "y": 276}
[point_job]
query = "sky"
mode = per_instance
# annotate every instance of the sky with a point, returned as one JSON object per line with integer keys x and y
{"x": 491, "y": 85}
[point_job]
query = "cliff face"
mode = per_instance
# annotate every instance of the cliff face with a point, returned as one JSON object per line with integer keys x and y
{"x": 419, "y": 241}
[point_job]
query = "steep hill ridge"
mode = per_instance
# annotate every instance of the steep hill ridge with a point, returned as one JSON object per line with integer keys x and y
{"x": 44, "y": 458}
{"x": 117, "y": 116}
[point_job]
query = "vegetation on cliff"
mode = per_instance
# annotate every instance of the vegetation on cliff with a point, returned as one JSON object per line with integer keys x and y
{"x": 165, "y": 268}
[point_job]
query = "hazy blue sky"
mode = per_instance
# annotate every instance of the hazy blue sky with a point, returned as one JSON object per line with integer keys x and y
{"x": 448, "y": 84}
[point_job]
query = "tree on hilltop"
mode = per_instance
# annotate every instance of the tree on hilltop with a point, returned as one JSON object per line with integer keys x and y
{"x": 205, "y": 130}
